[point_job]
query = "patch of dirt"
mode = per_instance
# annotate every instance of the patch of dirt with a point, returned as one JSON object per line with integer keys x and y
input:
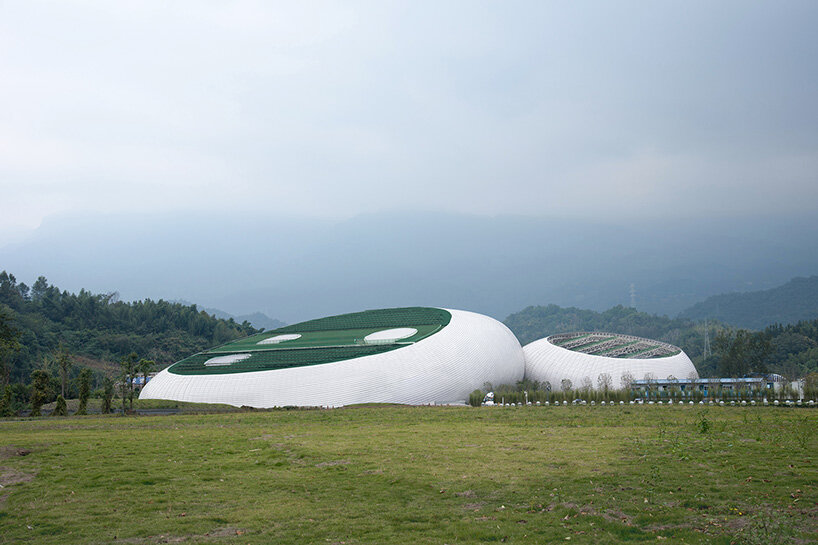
{"x": 218, "y": 533}
{"x": 738, "y": 523}
{"x": 465, "y": 494}
{"x": 611, "y": 515}
{"x": 225, "y": 532}
{"x": 616, "y": 516}
{"x": 109, "y": 367}
{"x": 333, "y": 463}
{"x": 663, "y": 527}
{"x": 8, "y": 477}
{"x": 473, "y": 506}
{"x": 9, "y": 451}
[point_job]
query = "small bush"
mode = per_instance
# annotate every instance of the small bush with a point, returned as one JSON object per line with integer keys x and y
{"x": 703, "y": 424}
{"x": 476, "y": 398}
{"x": 60, "y": 409}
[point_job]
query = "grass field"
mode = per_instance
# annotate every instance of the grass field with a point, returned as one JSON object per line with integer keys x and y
{"x": 386, "y": 474}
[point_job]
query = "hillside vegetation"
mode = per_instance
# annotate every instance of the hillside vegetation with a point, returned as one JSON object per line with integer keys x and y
{"x": 98, "y": 329}
{"x": 790, "y": 350}
{"x": 535, "y": 322}
{"x": 795, "y": 301}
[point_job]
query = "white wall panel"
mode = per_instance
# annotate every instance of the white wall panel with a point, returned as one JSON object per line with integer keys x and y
{"x": 445, "y": 367}
{"x": 545, "y": 361}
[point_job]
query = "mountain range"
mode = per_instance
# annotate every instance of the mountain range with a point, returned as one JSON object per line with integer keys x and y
{"x": 259, "y": 320}
{"x": 795, "y": 301}
{"x": 295, "y": 269}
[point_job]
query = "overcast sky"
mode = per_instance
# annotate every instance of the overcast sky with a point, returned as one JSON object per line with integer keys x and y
{"x": 569, "y": 109}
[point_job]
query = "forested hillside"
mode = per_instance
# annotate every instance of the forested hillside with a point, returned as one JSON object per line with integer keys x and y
{"x": 795, "y": 301}
{"x": 98, "y": 329}
{"x": 793, "y": 350}
{"x": 536, "y": 322}
{"x": 790, "y": 350}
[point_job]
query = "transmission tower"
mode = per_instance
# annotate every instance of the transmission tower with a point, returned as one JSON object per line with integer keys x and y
{"x": 633, "y": 295}
{"x": 707, "y": 352}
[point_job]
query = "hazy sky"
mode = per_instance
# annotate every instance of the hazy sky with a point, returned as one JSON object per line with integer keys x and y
{"x": 567, "y": 109}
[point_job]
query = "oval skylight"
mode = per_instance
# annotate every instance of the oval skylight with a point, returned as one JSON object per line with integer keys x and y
{"x": 389, "y": 335}
{"x": 226, "y": 360}
{"x": 280, "y": 338}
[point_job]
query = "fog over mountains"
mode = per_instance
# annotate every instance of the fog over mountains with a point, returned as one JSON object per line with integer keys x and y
{"x": 294, "y": 269}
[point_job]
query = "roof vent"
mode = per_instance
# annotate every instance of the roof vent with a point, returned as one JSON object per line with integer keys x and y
{"x": 226, "y": 360}
{"x": 280, "y": 338}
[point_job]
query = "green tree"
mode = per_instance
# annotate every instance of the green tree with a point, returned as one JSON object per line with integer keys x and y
{"x": 107, "y": 395}
{"x": 64, "y": 363}
{"x": 40, "y": 386}
{"x": 733, "y": 350}
{"x": 566, "y": 385}
{"x": 6, "y": 402}
{"x": 759, "y": 348}
{"x": 145, "y": 367}
{"x": 128, "y": 370}
{"x": 99, "y": 326}
{"x": 39, "y": 289}
{"x": 84, "y": 381}
{"x": 604, "y": 382}
{"x": 9, "y": 344}
{"x": 626, "y": 380}
{"x": 476, "y": 398}
{"x": 122, "y": 391}
{"x": 741, "y": 352}
{"x": 811, "y": 385}
{"x": 60, "y": 409}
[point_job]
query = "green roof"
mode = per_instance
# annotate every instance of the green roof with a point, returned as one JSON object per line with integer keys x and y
{"x": 325, "y": 340}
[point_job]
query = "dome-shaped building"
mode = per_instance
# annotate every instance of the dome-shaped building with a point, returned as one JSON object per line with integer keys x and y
{"x": 603, "y": 359}
{"x": 415, "y": 355}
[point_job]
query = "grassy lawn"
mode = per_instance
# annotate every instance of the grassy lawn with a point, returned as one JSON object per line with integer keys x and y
{"x": 95, "y": 406}
{"x": 385, "y": 474}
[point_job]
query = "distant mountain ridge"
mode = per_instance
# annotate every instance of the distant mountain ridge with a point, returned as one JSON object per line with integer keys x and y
{"x": 536, "y": 322}
{"x": 795, "y": 301}
{"x": 259, "y": 320}
{"x": 494, "y": 265}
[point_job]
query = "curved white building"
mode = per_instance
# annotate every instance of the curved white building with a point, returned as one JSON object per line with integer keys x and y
{"x": 583, "y": 357}
{"x": 411, "y": 355}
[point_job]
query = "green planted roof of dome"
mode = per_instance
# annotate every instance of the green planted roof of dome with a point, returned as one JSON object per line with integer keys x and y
{"x": 325, "y": 340}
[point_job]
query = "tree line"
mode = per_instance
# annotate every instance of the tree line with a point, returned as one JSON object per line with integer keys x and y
{"x": 49, "y": 338}
{"x": 45, "y": 384}
{"x": 41, "y": 326}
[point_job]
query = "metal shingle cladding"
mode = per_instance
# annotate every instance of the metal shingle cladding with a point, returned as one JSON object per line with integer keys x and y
{"x": 624, "y": 346}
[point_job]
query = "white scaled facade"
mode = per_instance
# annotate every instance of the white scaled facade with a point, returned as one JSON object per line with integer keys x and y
{"x": 443, "y": 366}
{"x": 569, "y": 357}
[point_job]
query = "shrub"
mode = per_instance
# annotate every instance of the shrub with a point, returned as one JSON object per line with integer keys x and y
{"x": 60, "y": 409}
{"x": 476, "y": 398}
